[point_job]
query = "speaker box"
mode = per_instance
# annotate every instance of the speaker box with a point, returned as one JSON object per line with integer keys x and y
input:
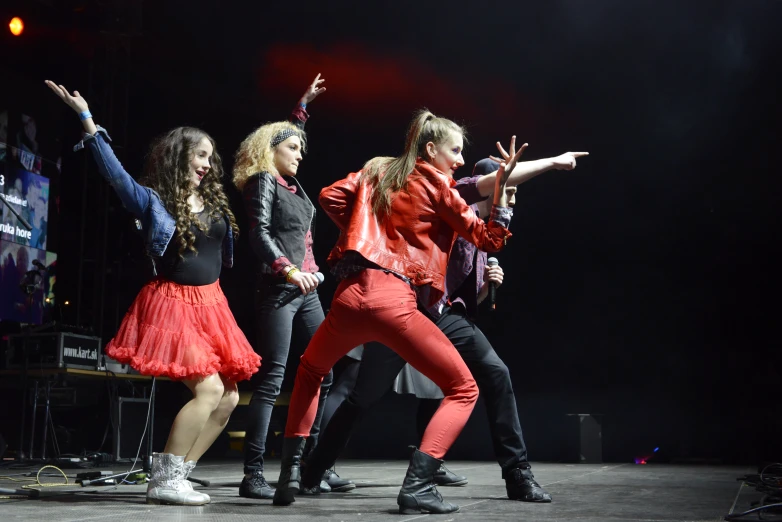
{"x": 129, "y": 417}
{"x": 53, "y": 350}
{"x": 584, "y": 438}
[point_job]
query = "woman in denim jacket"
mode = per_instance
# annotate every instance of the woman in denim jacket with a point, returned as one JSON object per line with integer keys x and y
{"x": 179, "y": 325}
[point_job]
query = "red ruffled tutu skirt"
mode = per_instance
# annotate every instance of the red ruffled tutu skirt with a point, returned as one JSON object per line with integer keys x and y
{"x": 183, "y": 332}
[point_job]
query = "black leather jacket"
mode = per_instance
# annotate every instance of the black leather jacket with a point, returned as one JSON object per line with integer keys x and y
{"x": 279, "y": 221}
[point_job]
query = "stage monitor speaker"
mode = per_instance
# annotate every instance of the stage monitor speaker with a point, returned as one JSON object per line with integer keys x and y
{"x": 584, "y": 438}
{"x": 129, "y": 417}
{"x": 112, "y": 365}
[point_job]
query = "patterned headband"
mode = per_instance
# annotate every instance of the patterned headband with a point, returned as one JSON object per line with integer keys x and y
{"x": 282, "y": 136}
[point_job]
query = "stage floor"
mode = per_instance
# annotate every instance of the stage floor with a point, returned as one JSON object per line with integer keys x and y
{"x": 609, "y": 492}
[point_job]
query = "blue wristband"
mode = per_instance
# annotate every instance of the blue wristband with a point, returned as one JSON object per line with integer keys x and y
{"x": 83, "y": 115}
{"x": 303, "y": 105}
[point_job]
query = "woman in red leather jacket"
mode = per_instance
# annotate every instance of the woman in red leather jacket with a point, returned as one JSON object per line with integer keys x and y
{"x": 398, "y": 219}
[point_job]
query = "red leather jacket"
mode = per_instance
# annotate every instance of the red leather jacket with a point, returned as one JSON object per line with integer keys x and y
{"x": 415, "y": 240}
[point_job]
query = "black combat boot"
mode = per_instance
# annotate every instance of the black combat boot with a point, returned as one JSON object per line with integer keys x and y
{"x": 290, "y": 471}
{"x": 521, "y": 485}
{"x": 419, "y": 493}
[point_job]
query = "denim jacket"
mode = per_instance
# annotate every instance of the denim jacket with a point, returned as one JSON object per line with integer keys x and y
{"x": 152, "y": 218}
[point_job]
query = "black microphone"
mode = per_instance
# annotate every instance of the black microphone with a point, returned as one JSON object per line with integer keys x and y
{"x": 24, "y": 222}
{"x": 296, "y": 292}
{"x": 492, "y": 261}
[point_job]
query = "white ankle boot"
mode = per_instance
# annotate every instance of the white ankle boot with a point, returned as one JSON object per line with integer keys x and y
{"x": 168, "y": 483}
{"x": 188, "y": 467}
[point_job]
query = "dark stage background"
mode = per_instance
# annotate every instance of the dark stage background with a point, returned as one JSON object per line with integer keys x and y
{"x": 640, "y": 286}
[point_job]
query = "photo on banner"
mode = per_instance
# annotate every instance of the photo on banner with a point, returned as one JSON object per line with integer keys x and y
{"x": 28, "y": 194}
{"x": 27, "y": 283}
{"x": 27, "y": 150}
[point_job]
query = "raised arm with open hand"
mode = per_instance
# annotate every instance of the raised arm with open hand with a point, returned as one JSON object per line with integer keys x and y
{"x": 313, "y": 90}
{"x": 75, "y": 102}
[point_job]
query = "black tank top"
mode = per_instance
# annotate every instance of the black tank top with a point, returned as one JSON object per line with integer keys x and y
{"x": 196, "y": 269}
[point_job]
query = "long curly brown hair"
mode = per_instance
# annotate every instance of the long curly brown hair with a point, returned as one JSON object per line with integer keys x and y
{"x": 167, "y": 172}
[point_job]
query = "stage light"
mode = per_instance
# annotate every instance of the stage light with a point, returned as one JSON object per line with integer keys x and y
{"x": 645, "y": 460}
{"x": 16, "y": 26}
{"x": 66, "y": 303}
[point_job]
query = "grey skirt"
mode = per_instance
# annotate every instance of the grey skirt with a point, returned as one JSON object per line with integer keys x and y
{"x": 356, "y": 353}
{"x": 413, "y": 382}
{"x": 409, "y": 380}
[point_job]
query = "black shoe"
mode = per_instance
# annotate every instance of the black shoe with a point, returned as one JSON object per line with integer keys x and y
{"x": 419, "y": 493}
{"x": 317, "y": 490}
{"x": 315, "y": 466}
{"x": 290, "y": 471}
{"x": 446, "y": 477}
{"x": 256, "y": 486}
{"x": 336, "y": 483}
{"x": 521, "y": 485}
{"x": 311, "y": 484}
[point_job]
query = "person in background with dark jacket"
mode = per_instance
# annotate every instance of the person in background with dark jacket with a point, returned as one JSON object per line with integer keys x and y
{"x": 179, "y": 325}
{"x": 281, "y": 220}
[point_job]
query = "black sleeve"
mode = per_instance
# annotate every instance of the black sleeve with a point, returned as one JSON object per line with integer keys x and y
{"x": 258, "y": 195}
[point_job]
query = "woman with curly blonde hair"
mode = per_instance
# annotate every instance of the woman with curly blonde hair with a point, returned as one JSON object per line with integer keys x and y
{"x": 256, "y": 154}
{"x": 281, "y": 221}
{"x": 179, "y": 325}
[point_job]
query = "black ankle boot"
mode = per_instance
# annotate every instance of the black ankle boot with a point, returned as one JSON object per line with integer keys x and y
{"x": 521, "y": 485}
{"x": 419, "y": 493}
{"x": 446, "y": 477}
{"x": 330, "y": 444}
{"x": 290, "y": 471}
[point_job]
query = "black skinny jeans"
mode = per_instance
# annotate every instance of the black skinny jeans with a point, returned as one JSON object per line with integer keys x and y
{"x": 274, "y": 331}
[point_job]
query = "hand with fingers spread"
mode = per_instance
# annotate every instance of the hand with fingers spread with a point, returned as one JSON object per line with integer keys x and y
{"x": 313, "y": 90}
{"x": 567, "y": 161}
{"x": 509, "y": 158}
{"x": 507, "y": 164}
{"x": 75, "y": 102}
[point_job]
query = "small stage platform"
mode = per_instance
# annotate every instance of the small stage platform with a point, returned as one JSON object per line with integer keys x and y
{"x": 608, "y": 492}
